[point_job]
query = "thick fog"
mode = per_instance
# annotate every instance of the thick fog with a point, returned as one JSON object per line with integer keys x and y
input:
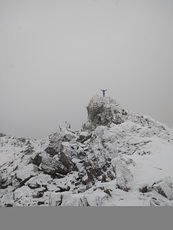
{"x": 56, "y": 54}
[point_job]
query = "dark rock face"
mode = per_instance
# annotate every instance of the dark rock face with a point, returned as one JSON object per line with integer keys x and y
{"x": 52, "y": 166}
{"x": 37, "y": 160}
{"x": 29, "y": 150}
{"x": 2, "y": 135}
{"x": 51, "y": 151}
{"x": 1, "y": 181}
{"x": 145, "y": 189}
{"x": 54, "y": 144}
{"x": 61, "y": 154}
{"x": 67, "y": 162}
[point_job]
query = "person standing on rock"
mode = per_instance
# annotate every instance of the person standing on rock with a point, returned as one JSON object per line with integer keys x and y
{"x": 103, "y": 90}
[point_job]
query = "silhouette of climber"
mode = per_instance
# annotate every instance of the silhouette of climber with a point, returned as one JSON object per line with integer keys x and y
{"x": 103, "y": 90}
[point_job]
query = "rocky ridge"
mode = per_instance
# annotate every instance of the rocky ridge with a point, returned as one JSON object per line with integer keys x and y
{"x": 119, "y": 158}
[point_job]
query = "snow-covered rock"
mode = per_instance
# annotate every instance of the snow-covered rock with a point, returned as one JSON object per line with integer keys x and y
{"x": 55, "y": 199}
{"x": 119, "y": 158}
{"x": 7, "y": 200}
{"x": 124, "y": 177}
{"x": 165, "y": 188}
{"x": 103, "y": 111}
{"x": 54, "y": 145}
{"x": 27, "y": 172}
{"x": 53, "y": 166}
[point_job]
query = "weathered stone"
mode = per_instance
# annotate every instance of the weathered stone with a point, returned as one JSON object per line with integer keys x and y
{"x": 55, "y": 199}
{"x": 51, "y": 151}
{"x": 145, "y": 189}
{"x": 165, "y": 188}
{"x": 103, "y": 111}
{"x": 68, "y": 136}
{"x": 60, "y": 189}
{"x": 8, "y": 205}
{"x": 37, "y": 159}
{"x": 33, "y": 185}
{"x": 157, "y": 202}
{"x": 110, "y": 175}
{"x": 84, "y": 136}
{"x": 40, "y": 203}
{"x": 67, "y": 162}
{"x": 107, "y": 191}
{"x": 54, "y": 145}
{"x": 83, "y": 201}
{"x": 27, "y": 172}
{"x": 6, "y": 182}
{"x": 103, "y": 178}
{"x": 29, "y": 150}
{"x": 124, "y": 177}
{"x": 93, "y": 172}
{"x": 24, "y": 191}
{"x": 52, "y": 166}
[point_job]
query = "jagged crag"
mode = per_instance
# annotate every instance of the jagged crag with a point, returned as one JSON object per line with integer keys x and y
{"x": 96, "y": 166}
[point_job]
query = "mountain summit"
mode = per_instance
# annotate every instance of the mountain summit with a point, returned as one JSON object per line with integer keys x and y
{"x": 119, "y": 158}
{"x": 104, "y": 111}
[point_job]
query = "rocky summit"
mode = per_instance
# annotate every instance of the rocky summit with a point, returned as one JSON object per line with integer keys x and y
{"x": 118, "y": 158}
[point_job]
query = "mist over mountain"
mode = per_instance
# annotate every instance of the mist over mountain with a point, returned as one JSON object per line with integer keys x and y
{"x": 118, "y": 158}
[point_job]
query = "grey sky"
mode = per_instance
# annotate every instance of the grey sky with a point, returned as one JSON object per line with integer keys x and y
{"x": 56, "y": 54}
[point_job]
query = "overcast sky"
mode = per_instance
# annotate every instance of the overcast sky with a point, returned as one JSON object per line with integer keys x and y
{"x": 56, "y": 54}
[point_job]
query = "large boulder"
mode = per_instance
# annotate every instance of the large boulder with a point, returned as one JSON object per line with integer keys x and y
{"x": 54, "y": 145}
{"x": 67, "y": 162}
{"x": 124, "y": 177}
{"x": 53, "y": 166}
{"x": 103, "y": 111}
{"x": 26, "y": 172}
{"x": 165, "y": 188}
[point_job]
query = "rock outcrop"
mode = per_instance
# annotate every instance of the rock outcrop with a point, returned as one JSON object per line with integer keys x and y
{"x": 104, "y": 111}
{"x": 118, "y": 158}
